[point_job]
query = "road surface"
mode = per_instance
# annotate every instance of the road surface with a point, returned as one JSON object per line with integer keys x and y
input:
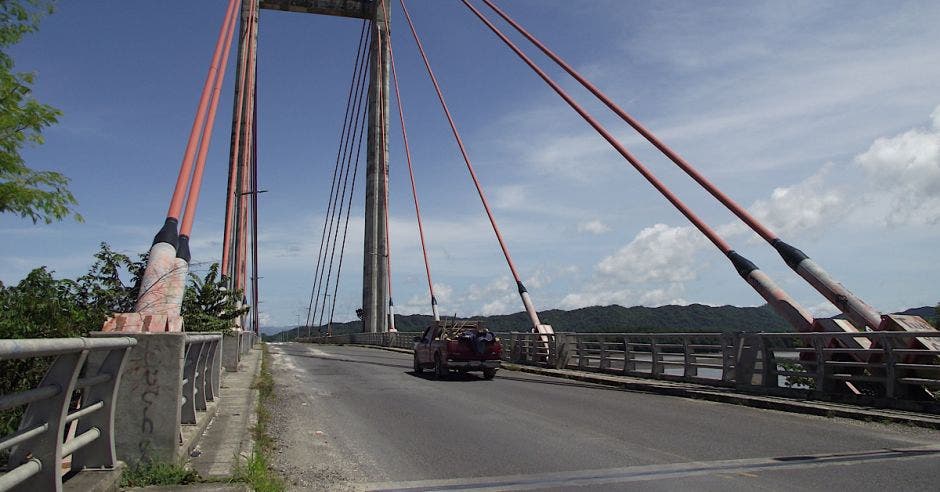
{"x": 349, "y": 418}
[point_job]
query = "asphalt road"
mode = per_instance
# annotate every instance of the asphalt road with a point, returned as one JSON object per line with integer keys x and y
{"x": 357, "y": 418}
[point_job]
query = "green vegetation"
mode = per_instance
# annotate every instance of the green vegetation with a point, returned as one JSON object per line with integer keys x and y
{"x": 36, "y": 195}
{"x": 208, "y": 305}
{"x": 609, "y": 319}
{"x": 256, "y": 471}
{"x": 143, "y": 475}
{"x": 41, "y": 306}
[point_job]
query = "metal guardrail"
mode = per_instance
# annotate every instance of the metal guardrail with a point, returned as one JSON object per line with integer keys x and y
{"x": 86, "y": 371}
{"x": 247, "y": 340}
{"x": 201, "y": 378}
{"x": 399, "y": 339}
{"x": 882, "y": 364}
{"x": 694, "y": 357}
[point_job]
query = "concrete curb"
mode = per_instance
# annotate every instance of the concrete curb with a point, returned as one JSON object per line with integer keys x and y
{"x": 701, "y": 392}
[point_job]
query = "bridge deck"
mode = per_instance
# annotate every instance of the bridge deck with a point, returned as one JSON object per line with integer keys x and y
{"x": 381, "y": 426}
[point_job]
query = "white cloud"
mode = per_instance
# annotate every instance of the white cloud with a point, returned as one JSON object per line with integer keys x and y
{"x": 807, "y": 206}
{"x": 595, "y": 227}
{"x": 510, "y": 196}
{"x": 651, "y": 270}
{"x": 657, "y": 253}
{"x": 906, "y": 168}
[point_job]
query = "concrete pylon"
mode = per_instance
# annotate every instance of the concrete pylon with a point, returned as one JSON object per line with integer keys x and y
{"x": 375, "y": 269}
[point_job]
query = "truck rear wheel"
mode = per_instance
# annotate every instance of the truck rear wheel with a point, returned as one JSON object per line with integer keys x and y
{"x": 418, "y": 368}
{"x": 439, "y": 370}
{"x": 489, "y": 373}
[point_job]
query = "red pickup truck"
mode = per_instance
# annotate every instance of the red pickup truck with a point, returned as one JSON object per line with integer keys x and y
{"x": 459, "y": 346}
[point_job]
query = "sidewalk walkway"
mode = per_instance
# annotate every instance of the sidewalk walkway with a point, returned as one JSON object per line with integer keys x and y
{"x": 228, "y": 435}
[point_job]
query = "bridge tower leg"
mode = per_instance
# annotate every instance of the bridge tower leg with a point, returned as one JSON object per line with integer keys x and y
{"x": 238, "y": 198}
{"x": 375, "y": 269}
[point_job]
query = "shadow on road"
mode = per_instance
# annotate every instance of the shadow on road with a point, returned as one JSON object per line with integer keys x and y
{"x": 454, "y": 376}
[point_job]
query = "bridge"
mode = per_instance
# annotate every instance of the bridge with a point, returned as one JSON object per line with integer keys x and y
{"x": 816, "y": 407}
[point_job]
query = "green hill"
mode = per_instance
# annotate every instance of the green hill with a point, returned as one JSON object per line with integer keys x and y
{"x": 612, "y": 319}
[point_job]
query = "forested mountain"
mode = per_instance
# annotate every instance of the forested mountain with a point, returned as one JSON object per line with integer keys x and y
{"x": 691, "y": 318}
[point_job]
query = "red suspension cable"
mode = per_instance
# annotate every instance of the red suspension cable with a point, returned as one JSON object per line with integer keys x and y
{"x": 781, "y": 302}
{"x": 196, "y": 185}
{"x": 855, "y": 308}
{"x": 669, "y": 195}
{"x": 411, "y": 174}
{"x": 676, "y": 158}
{"x": 463, "y": 151}
{"x": 176, "y": 202}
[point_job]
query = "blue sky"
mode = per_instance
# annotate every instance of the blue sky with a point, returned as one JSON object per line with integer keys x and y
{"x": 822, "y": 118}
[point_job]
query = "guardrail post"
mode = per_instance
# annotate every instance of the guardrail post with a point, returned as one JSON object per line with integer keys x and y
{"x": 890, "y": 370}
{"x": 231, "y": 353}
{"x": 604, "y": 363}
{"x": 201, "y": 372}
{"x": 629, "y": 363}
{"x": 148, "y": 411}
{"x": 748, "y": 346}
{"x": 821, "y": 369}
{"x": 689, "y": 368}
{"x": 100, "y": 453}
{"x": 768, "y": 365}
{"x": 552, "y": 358}
{"x": 656, "y": 368}
{"x": 582, "y": 361}
{"x": 562, "y": 350}
{"x": 728, "y": 344}
{"x": 215, "y": 370}
{"x": 188, "y": 407}
{"x": 48, "y": 452}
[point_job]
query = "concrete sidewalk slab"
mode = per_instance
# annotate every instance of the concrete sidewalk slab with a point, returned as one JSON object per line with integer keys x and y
{"x": 228, "y": 436}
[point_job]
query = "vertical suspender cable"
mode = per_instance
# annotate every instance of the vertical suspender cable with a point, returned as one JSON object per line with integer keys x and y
{"x": 798, "y": 317}
{"x": 853, "y": 307}
{"x": 537, "y": 325}
{"x": 334, "y": 234}
{"x": 342, "y": 145}
{"x": 352, "y": 191}
{"x": 334, "y": 213}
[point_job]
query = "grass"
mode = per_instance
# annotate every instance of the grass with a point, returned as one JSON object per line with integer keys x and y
{"x": 145, "y": 474}
{"x": 256, "y": 471}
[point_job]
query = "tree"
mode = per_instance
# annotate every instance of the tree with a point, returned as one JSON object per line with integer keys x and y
{"x": 36, "y": 195}
{"x": 208, "y": 305}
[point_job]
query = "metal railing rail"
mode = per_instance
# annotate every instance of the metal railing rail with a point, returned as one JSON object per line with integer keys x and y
{"x": 92, "y": 367}
{"x": 694, "y": 357}
{"x": 200, "y": 374}
{"x": 882, "y": 364}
